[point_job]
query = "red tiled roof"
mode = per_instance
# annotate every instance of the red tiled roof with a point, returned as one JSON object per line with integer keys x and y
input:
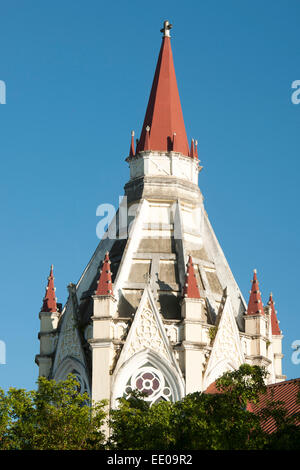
{"x": 285, "y": 392}
{"x": 212, "y": 389}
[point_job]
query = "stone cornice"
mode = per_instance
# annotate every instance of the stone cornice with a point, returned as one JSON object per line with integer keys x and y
{"x": 47, "y": 333}
{"x": 100, "y": 342}
{"x": 195, "y": 345}
{"x": 264, "y": 359}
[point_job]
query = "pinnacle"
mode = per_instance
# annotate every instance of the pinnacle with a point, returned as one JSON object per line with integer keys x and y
{"x": 255, "y": 305}
{"x": 147, "y": 139}
{"x": 164, "y": 112}
{"x": 174, "y": 148}
{"x": 132, "y": 149}
{"x": 166, "y": 28}
{"x": 49, "y": 301}
{"x": 191, "y": 289}
{"x": 104, "y": 286}
{"x": 192, "y": 149}
{"x": 196, "y": 149}
{"x": 274, "y": 320}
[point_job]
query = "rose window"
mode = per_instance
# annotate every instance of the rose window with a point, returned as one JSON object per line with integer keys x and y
{"x": 151, "y": 382}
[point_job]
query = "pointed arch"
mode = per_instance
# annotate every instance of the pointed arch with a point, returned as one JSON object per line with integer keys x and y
{"x": 68, "y": 342}
{"x": 70, "y": 365}
{"x": 227, "y": 353}
{"x": 219, "y": 369}
{"x": 147, "y": 332}
{"x": 150, "y": 372}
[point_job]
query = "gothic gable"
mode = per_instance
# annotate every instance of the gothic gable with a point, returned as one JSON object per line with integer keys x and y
{"x": 227, "y": 351}
{"x": 147, "y": 359}
{"x": 147, "y": 332}
{"x": 69, "y": 344}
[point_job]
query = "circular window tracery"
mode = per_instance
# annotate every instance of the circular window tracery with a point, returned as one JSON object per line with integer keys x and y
{"x": 151, "y": 382}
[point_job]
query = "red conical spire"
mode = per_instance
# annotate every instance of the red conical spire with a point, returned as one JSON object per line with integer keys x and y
{"x": 49, "y": 301}
{"x": 191, "y": 289}
{"x": 132, "y": 150}
{"x": 255, "y": 305}
{"x": 104, "y": 284}
{"x": 274, "y": 321}
{"x": 164, "y": 113}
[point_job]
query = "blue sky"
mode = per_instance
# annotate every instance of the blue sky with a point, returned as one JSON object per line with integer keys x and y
{"x": 78, "y": 76}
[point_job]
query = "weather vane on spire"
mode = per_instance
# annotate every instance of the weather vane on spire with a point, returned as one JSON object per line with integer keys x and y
{"x": 166, "y": 29}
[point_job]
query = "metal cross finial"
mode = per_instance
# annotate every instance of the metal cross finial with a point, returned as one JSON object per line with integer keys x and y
{"x": 166, "y": 29}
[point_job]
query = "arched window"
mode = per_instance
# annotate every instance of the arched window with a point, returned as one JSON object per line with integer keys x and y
{"x": 72, "y": 366}
{"x": 151, "y": 381}
{"x": 150, "y": 374}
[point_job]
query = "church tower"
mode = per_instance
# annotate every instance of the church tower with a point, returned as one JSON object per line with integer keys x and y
{"x": 157, "y": 308}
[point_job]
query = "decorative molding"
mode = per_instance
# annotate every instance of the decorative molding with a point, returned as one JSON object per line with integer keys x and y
{"x": 227, "y": 353}
{"x": 69, "y": 344}
{"x": 147, "y": 332}
{"x": 139, "y": 362}
{"x": 71, "y": 365}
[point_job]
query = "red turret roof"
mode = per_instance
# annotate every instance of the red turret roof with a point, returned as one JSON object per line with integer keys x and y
{"x": 164, "y": 113}
{"x": 104, "y": 284}
{"x": 49, "y": 301}
{"x": 274, "y": 321}
{"x": 191, "y": 289}
{"x": 255, "y": 305}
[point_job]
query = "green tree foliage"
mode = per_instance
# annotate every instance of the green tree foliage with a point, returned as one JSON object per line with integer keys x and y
{"x": 220, "y": 421}
{"x": 199, "y": 421}
{"x": 136, "y": 425}
{"x": 287, "y": 434}
{"x": 56, "y": 416}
